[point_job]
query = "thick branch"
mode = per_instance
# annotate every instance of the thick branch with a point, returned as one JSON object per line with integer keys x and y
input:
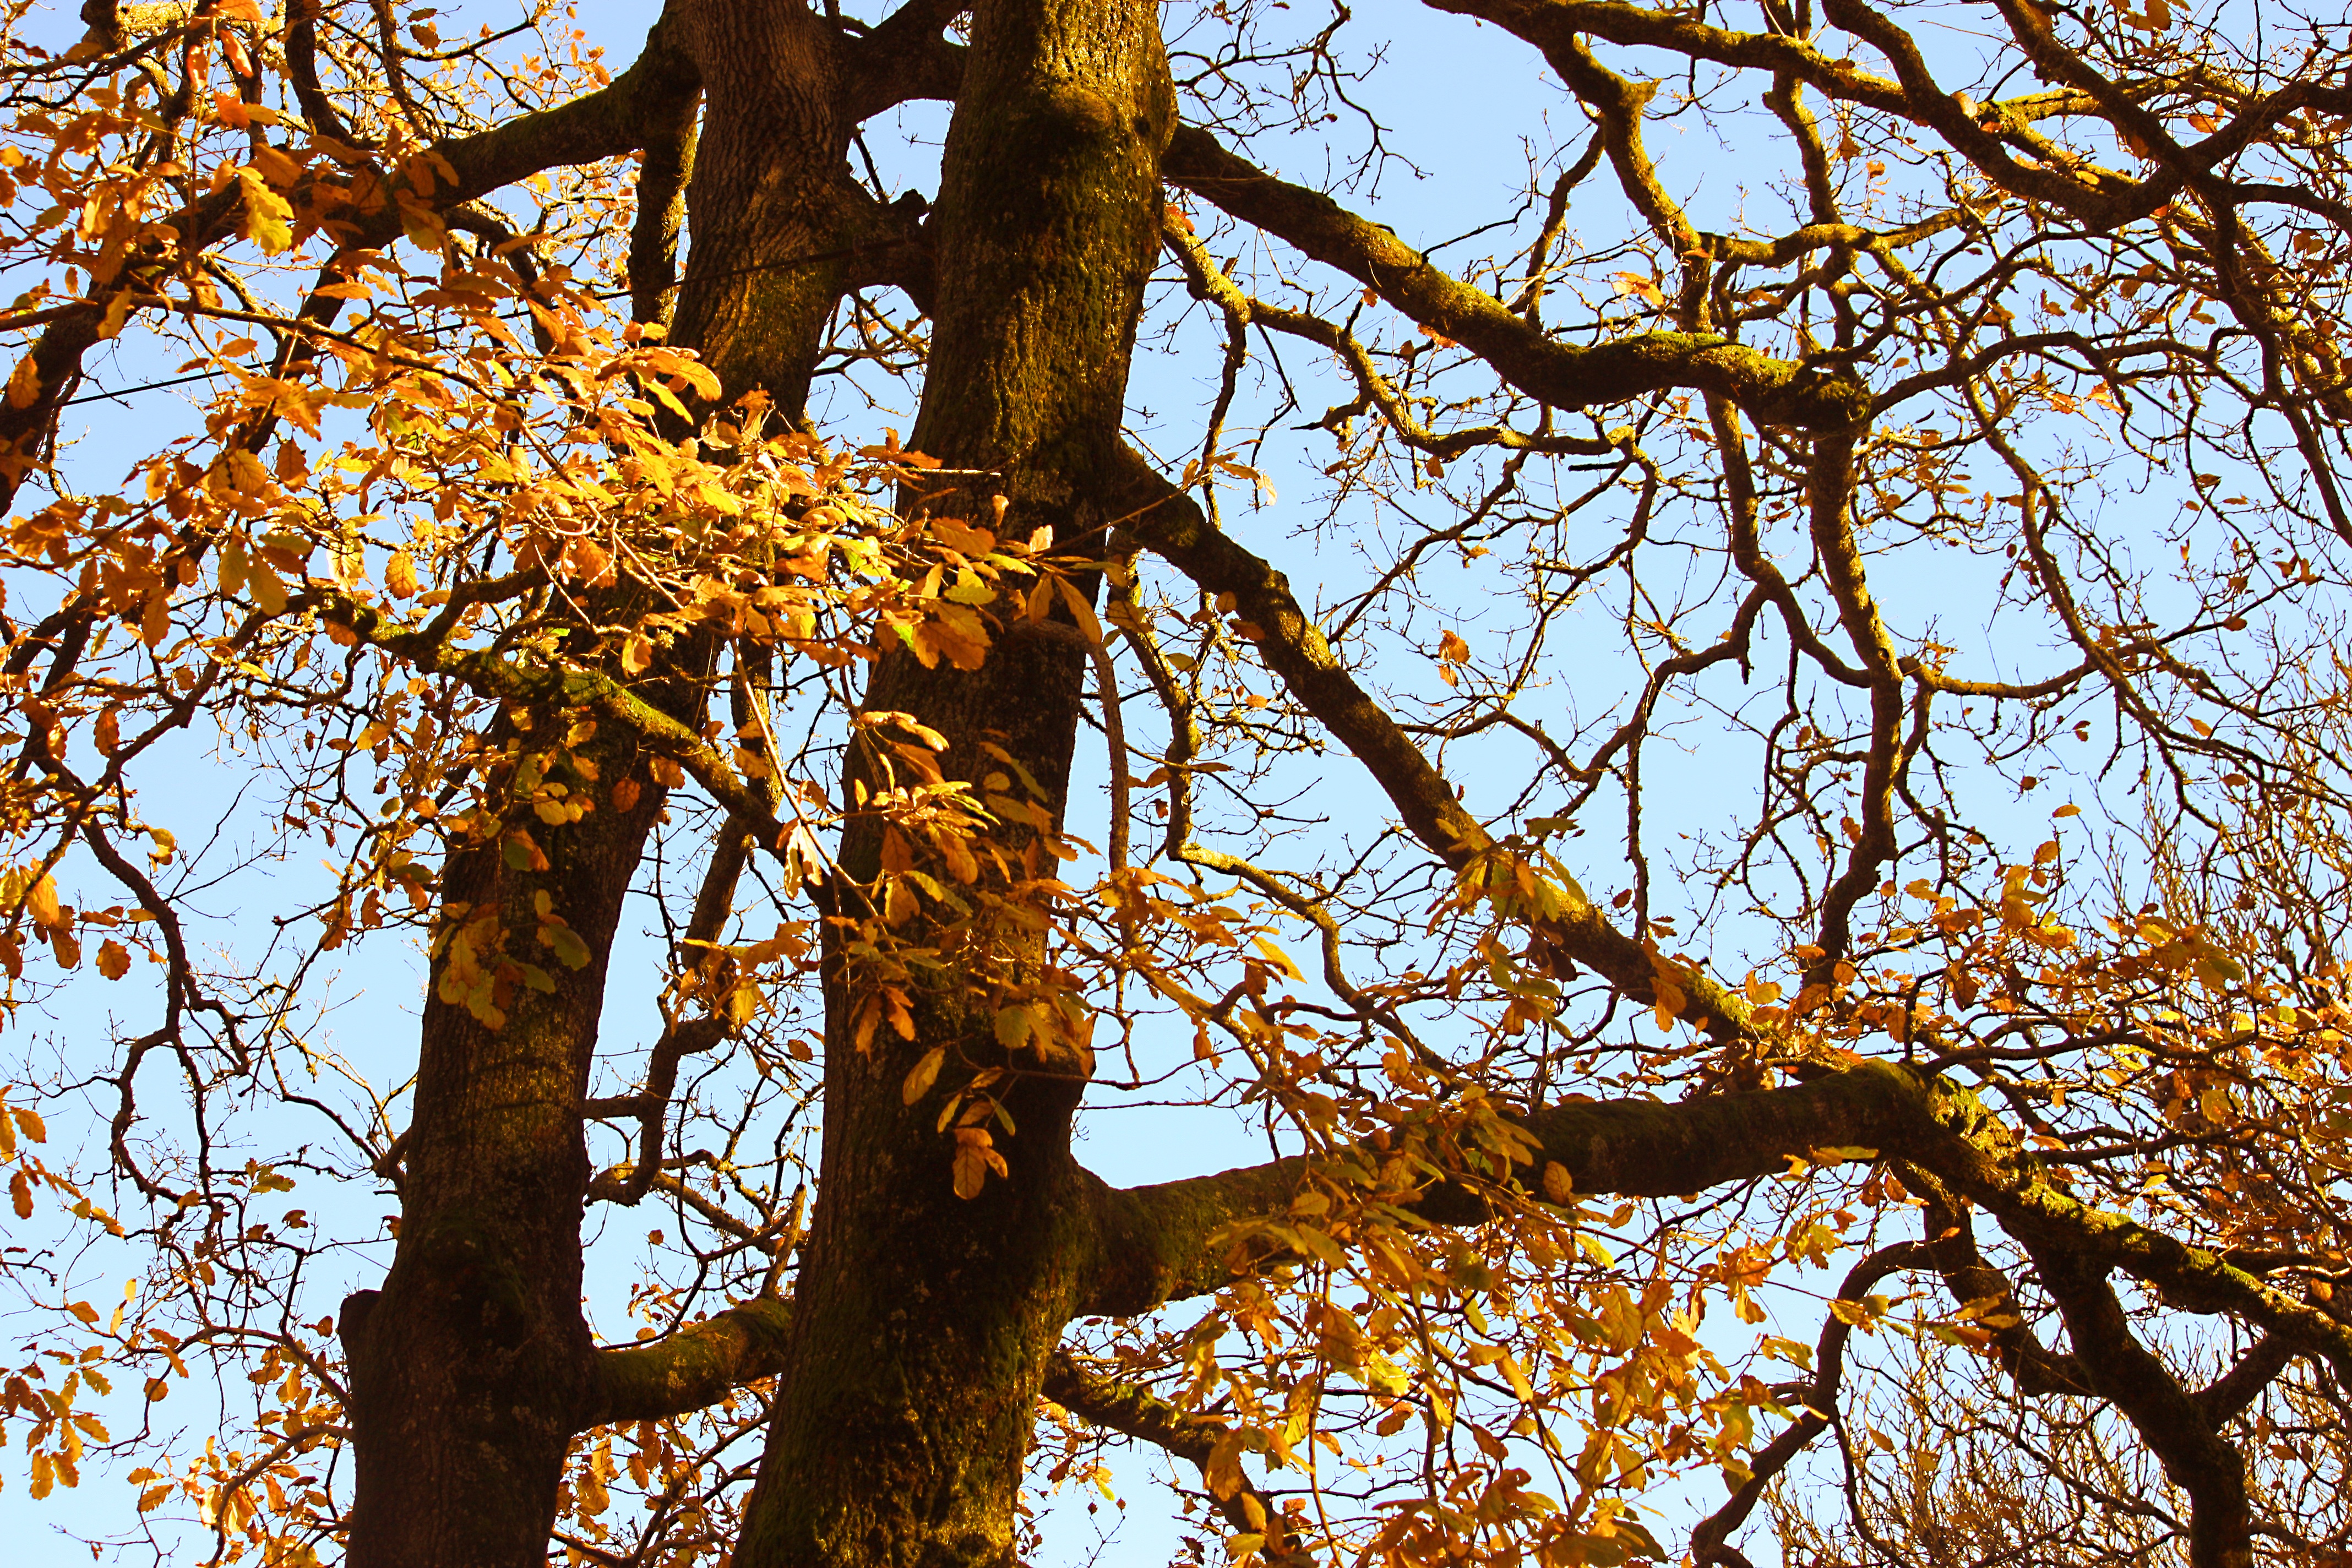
{"x": 1174, "y": 527}
{"x": 696, "y": 1366}
{"x": 2243, "y": 1383}
{"x": 1160, "y": 1242}
{"x": 1975, "y": 1282}
{"x": 613, "y": 120}
{"x": 904, "y": 58}
{"x": 2129, "y": 1376}
{"x": 1209, "y": 282}
{"x": 1565, "y": 375}
{"x": 661, "y": 208}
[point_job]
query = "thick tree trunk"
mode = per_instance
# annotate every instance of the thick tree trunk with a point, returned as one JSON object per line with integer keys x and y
{"x": 469, "y": 1367}
{"x": 770, "y": 207}
{"x": 472, "y": 1369}
{"x": 923, "y": 1322}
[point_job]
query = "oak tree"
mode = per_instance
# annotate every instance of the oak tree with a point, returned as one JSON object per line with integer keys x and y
{"x": 1864, "y": 503}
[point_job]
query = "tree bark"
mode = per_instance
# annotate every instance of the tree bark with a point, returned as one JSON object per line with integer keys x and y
{"x": 473, "y": 1368}
{"x": 470, "y": 1368}
{"x": 923, "y": 1321}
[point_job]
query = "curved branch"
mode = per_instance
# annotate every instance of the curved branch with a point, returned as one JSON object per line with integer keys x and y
{"x": 696, "y": 1366}
{"x": 1134, "y": 1411}
{"x": 1818, "y": 1403}
{"x": 1157, "y": 1243}
{"x": 2169, "y": 1419}
{"x": 1161, "y": 1243}
{"x": 1976, "y": 1285}
{"x": 1174, "y": 527}
{"x": 1775, "y": 392}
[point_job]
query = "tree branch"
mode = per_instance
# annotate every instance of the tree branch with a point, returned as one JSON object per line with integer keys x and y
{"x": 1975, "y": 1282}
{"x": 2171, "y": 1420}
{"x": 1134, "y": 1411}
{"x": 1155, "y": 1244}
{"x": 1818, "y": 1408}
{"x": 696, "y": 1366}
{"x": 904, "y": 58}
{"x": 2243, "y": 1383}
{"x": 1174, "y": 527}
{"x": 1161, "y": 1243}
{"x": 602, "y": 124}
{"x": 1775, "y": 392}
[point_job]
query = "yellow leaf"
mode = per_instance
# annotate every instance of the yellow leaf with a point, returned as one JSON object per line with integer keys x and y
{"x": 246, "y": 473}
{"x": 1280, "y": 958}
{"x": 268, "y": 590}
{"x": 41, "y": 902}
{"x": 25, "y": 384}
{"x": 118, "y": 310}
{"x": 274, "y": 165}
{"x": 975, "y": 1156}
{"x": 927, "y": 1073}
{"x": 400, "y": 576}
{"x": 1224, "y": 1470}
{"x": 1081, "y": 609}
{"x": 113, "y": 959}
{"x": 268, "y": 219}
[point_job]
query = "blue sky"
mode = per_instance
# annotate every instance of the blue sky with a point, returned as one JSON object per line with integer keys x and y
{"x": 1459, "y": 101}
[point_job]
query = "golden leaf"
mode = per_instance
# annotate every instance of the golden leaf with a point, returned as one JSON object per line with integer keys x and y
{"x": 925, "y": 1074}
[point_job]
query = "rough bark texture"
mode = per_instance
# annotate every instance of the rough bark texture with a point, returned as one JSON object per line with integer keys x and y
{"x": 764, "y": 203}
{"x": 471, "y": 1367}
{"x": 923, "y": 1322}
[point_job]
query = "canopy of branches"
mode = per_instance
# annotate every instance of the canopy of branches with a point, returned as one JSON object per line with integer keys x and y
{"x": 1761, "y": 831}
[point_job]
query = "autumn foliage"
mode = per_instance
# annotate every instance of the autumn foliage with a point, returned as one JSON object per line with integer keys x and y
{"x": 1739, "y": 796}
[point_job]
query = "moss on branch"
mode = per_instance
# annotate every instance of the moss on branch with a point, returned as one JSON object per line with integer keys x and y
{"x": 1565, "y": 375}
{"x": 696, "y": 1366}
{"x": 1159, "y": 1243}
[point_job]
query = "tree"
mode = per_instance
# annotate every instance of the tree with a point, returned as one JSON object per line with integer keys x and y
{"x": 1980, "y": 454}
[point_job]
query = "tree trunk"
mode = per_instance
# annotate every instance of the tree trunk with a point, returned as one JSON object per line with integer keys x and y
{"x": 770, "y": 205}
{"x": 923, "y": 1321}
{"x": 472, "y": 1369}
{"x": 469, "y": 1368}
